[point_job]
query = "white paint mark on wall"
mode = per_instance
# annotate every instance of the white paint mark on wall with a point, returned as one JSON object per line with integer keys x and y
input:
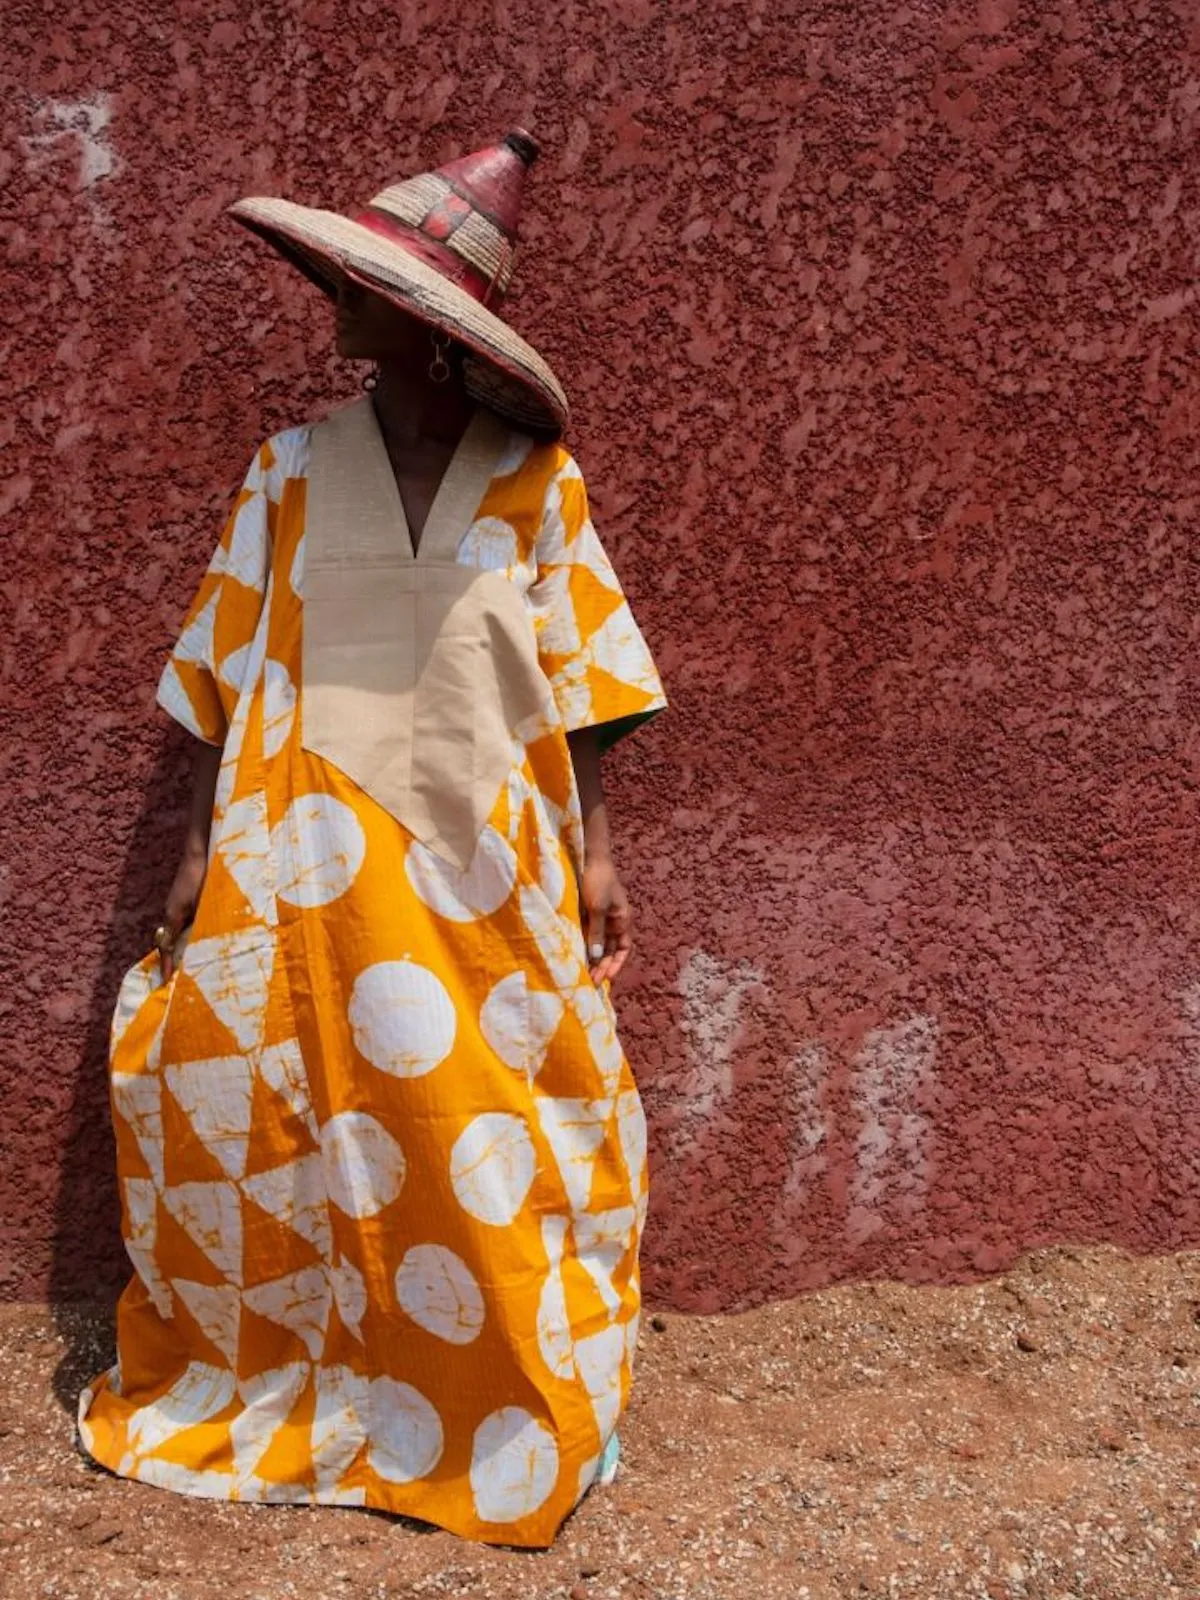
{"x": 891, "y": 1079}
{"x": 893, "y": 1147}
{"x": 805, "y": 1120}
{"x": 86, "y": 123}
{"x": 805, "y": 1078}
{"x": 713, "y": 994}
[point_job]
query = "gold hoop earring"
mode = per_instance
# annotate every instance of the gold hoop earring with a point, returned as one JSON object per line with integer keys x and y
{"x": 370, "y": 380}
{"x": 439, "y": 367}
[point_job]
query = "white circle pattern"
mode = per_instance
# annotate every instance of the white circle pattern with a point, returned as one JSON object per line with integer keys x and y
{"x": 403, "y": 1018}
{"x": 464, "y": 896}
{"x": 514, "y": 1465}
{"x": 437, "y": 1290}
{"x": 504, "y": 1020}
{"x": 406, "y": 1432}
{"x": 364, "y": 1166}
{"x": 319, "y": 845}
{"x": 492, "y": 1167}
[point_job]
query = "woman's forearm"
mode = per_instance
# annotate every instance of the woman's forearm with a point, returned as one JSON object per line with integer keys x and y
{"x": 585, "y": 757}
{"x": 184, "y": 893}
{"x": 206, "y": 764}
{"x": 606, "y": 915}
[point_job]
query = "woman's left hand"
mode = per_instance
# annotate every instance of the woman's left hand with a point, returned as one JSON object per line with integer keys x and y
{"x": 608, "y": 920}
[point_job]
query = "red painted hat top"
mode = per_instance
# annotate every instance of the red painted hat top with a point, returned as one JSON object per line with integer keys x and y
{"x": 462, "y": 218}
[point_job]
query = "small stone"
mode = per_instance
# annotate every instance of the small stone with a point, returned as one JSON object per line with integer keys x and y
{"x": 1027, "y": 1343}
{"x": 578, "y": 1591}
{"x": 589, "y": 1571}
{"x": 658, "y": 1323}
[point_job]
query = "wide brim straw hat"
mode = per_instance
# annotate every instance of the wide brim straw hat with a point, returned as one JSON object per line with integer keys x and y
{"x": 441, "y": 247}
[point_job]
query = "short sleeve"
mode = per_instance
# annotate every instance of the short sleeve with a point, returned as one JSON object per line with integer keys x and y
{"x": 590, "y": 647}
{"x": 202, "y": 679}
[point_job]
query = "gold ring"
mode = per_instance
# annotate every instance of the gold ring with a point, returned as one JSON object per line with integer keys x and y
{"x": 164, "y": 938}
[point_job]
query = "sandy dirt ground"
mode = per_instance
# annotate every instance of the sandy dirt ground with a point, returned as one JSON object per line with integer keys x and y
{"x": 1034, "y": 1436}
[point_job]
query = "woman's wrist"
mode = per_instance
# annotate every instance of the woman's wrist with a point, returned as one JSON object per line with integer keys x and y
{"x": 195, "y": 846}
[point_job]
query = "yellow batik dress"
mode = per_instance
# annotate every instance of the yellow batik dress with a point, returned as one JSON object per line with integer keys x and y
{"x": 382, "y": 1160}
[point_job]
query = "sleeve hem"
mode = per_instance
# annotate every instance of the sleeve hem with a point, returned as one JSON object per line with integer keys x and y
{"x": 186, "y": 718}
{"x": 612, "y": 730}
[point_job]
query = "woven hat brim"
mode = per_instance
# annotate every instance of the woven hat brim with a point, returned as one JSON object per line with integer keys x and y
{"x": 329, "y": 247}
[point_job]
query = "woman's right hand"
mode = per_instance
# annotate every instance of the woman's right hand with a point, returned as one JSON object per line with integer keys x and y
{"x": 182, "y": 899}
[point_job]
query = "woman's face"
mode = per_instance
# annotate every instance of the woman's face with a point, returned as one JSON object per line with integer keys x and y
{"x": 370, "y": 328}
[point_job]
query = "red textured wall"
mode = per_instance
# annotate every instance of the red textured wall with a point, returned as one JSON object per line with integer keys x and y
{"x": 880, "y": 324}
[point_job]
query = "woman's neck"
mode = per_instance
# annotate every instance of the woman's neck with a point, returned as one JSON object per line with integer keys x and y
{"x": 415, "y": 411}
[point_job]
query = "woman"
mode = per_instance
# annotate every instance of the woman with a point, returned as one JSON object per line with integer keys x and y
{"x": 382, "y": 1159}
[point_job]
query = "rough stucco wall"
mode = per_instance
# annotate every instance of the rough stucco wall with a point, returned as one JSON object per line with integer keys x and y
{"x": 880, "y": 327}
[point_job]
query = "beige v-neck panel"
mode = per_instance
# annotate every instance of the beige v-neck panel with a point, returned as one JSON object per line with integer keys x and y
{"x": 417, "y": 671}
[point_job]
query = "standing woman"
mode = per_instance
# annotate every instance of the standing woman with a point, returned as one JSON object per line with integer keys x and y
{"x": 382, "y": 1160}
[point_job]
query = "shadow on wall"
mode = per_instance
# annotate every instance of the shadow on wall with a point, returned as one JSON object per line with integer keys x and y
{"x": 87, "y": 1246}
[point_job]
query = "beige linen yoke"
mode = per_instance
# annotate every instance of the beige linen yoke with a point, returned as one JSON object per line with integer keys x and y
{"x": 417, "y": 671}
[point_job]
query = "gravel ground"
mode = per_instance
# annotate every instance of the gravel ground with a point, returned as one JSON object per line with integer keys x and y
{"x": 1034, "y": 1436}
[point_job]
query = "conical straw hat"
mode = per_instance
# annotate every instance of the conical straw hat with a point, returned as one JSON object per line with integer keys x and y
{"x": 441, "y": 247}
